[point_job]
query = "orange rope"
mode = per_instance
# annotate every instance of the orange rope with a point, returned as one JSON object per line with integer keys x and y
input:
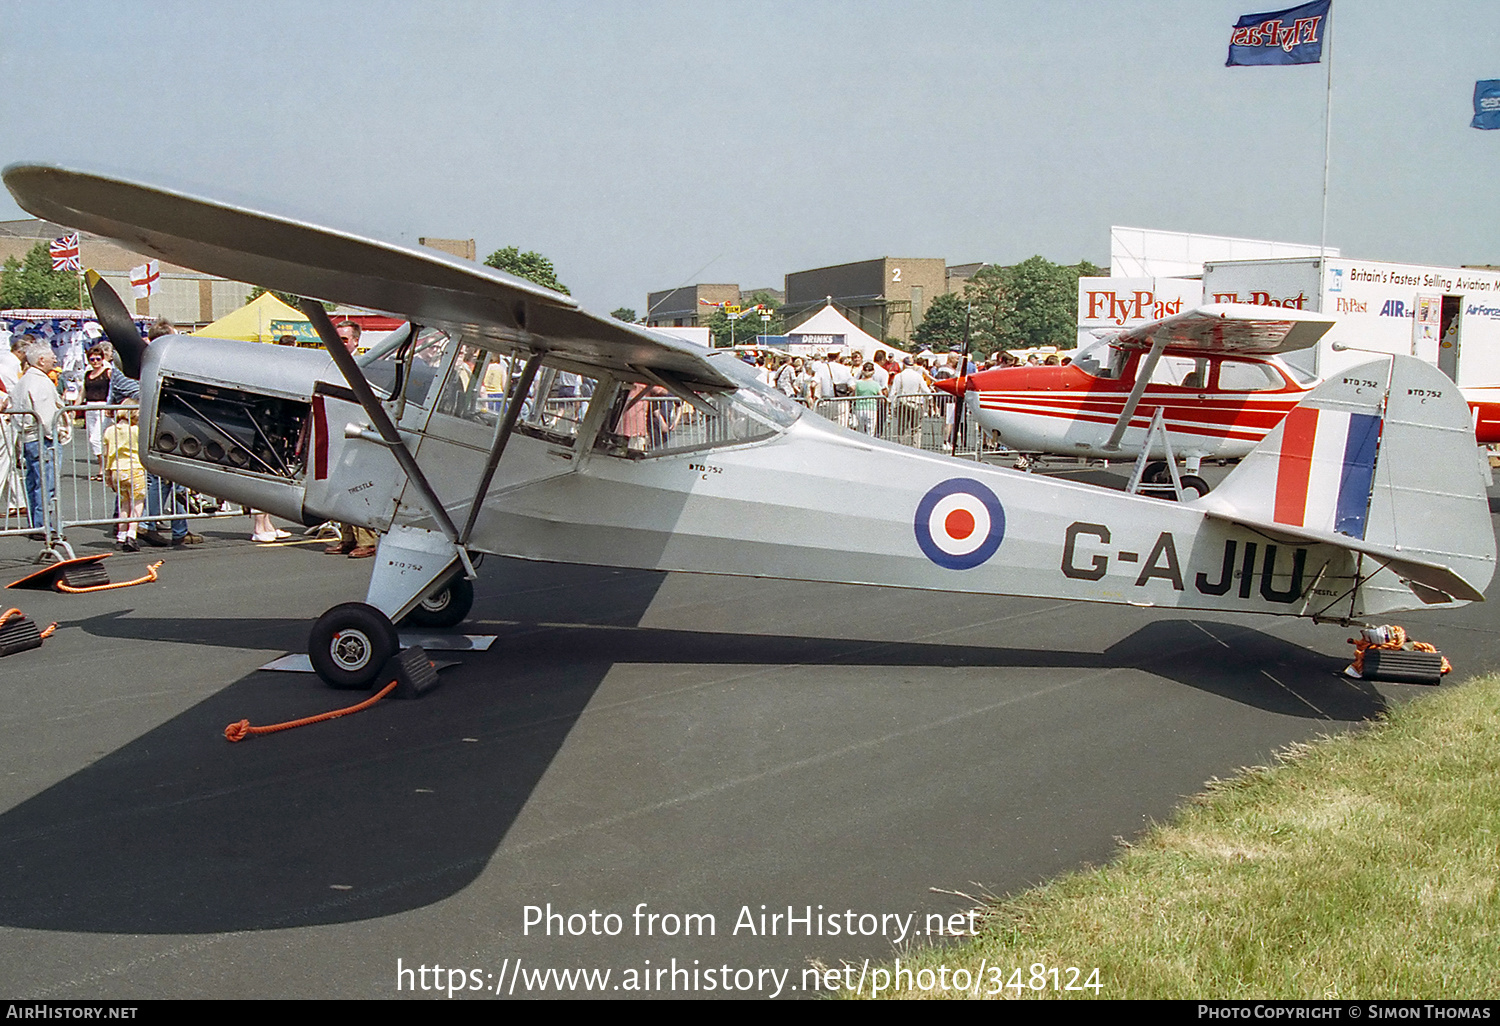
{"x": 239, "y": 731}
{"x": 1398, "y": 641}
{"x": 150, "y": 576}
{"x": 11, "y": 613}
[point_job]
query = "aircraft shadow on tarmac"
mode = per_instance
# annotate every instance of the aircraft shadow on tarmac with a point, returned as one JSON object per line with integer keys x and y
{"x": 391, "y": 810}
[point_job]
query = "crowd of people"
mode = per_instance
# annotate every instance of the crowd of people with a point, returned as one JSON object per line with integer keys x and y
{"x": 31, "y": 391}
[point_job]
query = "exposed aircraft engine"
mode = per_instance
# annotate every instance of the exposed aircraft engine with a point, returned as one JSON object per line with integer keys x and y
{"x": 231, "y": 427}
{"x": 247, "y": 442}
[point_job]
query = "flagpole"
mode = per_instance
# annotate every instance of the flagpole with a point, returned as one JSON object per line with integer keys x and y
{"x": 1327, "y": 130}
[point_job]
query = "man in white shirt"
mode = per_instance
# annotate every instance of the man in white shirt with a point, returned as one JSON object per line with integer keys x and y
{"x": 908, "y": 391}
{"x": 35, "y": 393}
{"x": 824, "y": 375}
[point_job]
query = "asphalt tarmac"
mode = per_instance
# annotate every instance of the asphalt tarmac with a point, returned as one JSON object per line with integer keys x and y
{"x": 634, "y": 744}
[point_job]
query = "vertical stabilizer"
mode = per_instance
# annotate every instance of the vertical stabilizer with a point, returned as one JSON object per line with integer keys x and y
{"x": 1379, "y": 459}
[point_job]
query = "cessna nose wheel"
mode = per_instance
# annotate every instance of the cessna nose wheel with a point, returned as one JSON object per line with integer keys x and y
{"x": 349, "y": 645}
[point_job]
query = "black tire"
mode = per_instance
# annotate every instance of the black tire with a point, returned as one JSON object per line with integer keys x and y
{"x": 350, "y": 644}
{"x": 1157, "y": 473}
{"x": 445, "y": 607}
{"x": 1193, "y": 483}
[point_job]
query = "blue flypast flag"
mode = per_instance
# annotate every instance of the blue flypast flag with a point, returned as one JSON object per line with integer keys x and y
{"x": 1292, "y": 36}
{"x": 1486, "y": 104}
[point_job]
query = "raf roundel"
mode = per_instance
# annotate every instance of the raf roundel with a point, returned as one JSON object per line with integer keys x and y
{"x": 959, "y": 524}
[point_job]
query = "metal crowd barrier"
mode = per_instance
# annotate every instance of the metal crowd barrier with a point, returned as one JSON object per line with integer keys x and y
{"x": 14, "y": 498}
{"x": 922, "y": 421}
{"x": 82, "y": 498}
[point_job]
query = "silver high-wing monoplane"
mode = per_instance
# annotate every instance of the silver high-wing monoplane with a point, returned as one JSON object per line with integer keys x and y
{"x": 503, "y": 419}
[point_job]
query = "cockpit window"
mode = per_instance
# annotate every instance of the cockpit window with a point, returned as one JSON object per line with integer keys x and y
{"x": 1241, "y": 376}
{"x": 554, "y": 408}
{"x": 1182, "y": 371}
{"x": 384, "y": 366}
{"x": 648, "y": 420}
{"x": 1102, "y": 360}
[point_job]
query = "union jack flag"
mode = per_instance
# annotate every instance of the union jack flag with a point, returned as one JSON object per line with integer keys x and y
{"x": 65, "y": 253}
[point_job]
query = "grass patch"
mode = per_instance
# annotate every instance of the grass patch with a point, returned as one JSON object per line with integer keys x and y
{"x": 1361, "y": 866}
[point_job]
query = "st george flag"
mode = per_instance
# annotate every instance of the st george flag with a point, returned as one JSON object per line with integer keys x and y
{"x": 1292, "y": 36}
{"x": 1486, "y": 104}
{"x": 144, "y": 280}
{"x": 65, "y": 253}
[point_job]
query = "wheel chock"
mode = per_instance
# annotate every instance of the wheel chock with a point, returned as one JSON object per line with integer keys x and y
{"x": 83, "y": 572}
{"x": 18, "y": 634}
{"x": 1398, "y": 667}
{"x": 414, "y": 673}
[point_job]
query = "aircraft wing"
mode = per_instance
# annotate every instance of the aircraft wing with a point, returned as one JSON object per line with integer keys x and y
{"x": 426, "y": 286}
{"x": 1230, "y": 328}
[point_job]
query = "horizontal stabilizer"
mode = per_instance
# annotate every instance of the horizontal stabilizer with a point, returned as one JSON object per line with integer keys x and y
{"x": 1228, "y": 328}
{"x": 1429, "y": 575}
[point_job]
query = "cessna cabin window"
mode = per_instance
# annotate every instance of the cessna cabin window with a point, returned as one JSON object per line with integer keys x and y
{"x": 1181, "y": 371}
{"x": 1240, "y": 376}
{"x": 1102, "y": 360}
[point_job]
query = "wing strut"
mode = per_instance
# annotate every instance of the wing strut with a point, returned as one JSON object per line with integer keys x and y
{"x": 512, "y": 414}
{"x": 1142, "y": 377}
{"x": 344, "y": 360}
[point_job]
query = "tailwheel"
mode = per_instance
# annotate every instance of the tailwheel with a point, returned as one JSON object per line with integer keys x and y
{"x": 445, "y": 607}
{"x": 350, "y": 644}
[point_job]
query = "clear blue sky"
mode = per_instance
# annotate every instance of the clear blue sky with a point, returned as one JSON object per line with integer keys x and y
{"x": 635, "y": 143}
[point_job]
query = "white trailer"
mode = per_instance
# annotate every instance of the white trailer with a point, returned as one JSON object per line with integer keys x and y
{"x": 1447, "y": 316}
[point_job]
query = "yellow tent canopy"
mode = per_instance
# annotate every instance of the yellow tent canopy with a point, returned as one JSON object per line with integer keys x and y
{"x": 264, "y": 319}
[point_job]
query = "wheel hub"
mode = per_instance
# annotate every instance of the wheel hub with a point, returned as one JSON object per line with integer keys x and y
{"x": 351, "y": 649}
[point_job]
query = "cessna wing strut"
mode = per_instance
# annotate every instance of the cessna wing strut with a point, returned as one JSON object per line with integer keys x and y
{"x": 1219, "y": 329}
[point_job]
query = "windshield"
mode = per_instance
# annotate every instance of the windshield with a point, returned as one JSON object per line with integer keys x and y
{"x": 382, "y": 365}
{"x": 1101, "y": 359}
{"x": 753, "y": 392}
{"x": 648, "y": 420}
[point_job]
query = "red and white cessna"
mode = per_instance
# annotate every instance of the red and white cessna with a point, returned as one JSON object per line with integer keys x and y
{"x": 1215, "y": 372}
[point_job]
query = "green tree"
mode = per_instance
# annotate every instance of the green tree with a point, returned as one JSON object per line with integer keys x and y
{"x": 1032, "y": 303}
{"x": 742, "y": 330}
{"x": 989, "y": 297}
{"x": 1046, "y": 303}
{"x": 33, "y": 283}
{"x": 623, "y": 314}
{"x": 943, "y": 325}
{"x": 529, "y": 265}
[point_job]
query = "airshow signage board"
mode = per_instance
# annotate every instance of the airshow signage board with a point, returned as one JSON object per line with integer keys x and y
{"x": 1447, "y": 316}
{"x": 1110, "y": 304}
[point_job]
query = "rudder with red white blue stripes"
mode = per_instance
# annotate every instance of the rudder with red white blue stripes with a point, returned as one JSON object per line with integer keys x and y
{"x": 1325, "y": 474}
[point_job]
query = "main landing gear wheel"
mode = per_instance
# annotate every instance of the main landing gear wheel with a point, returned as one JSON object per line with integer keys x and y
{"x": 445, "y": 607}
{"x": 1193, "y": 483}
{"x": 1156, "y": 473}
{"x": 350, "y": 643}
